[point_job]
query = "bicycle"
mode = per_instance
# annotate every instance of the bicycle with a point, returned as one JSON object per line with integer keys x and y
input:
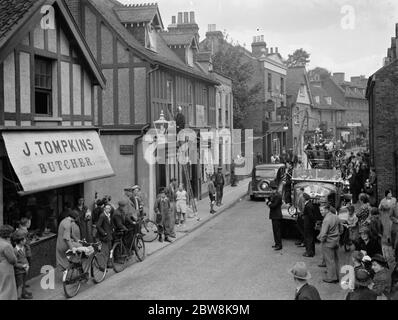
{"x": 77, "y": 273}
{"x": 148, "y": 228}
{"x": 122, "y": 252}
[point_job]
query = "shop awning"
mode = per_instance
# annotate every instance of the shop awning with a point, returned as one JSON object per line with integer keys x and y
{"x": 45, "y": 160}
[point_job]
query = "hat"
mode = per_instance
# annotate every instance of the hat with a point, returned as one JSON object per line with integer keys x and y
{"x": 6, "y": 231}
{"x": 362, "y": 277}
{"x": 122, "y": 203}
{"x": 364, "y": 229}
{"x": 380, "y": 260}
{"x": 299, "y": 271}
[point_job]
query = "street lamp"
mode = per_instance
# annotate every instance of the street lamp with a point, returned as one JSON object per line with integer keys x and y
{"x": 161, "y": 127}
{"x": 286, "y": 127}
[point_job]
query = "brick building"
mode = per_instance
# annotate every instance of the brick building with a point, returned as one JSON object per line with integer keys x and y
{"x": 382, "y": 96}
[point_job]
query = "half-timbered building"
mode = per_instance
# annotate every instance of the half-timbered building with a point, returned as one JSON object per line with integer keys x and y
{"x": 147, "y": 73}
{"x": 49, "y": 148}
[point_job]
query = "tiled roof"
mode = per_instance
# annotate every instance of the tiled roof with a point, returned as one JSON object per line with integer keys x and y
{"x": 12, "y": 12}
{"x": 173, "y": 39}
{"x": 322, "y": 94}
{"x": 296, "y": 77}
{"x": 137, "y": 13}
{"x": 164, "y": 56}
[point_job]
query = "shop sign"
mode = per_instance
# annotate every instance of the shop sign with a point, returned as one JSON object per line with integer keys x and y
{"x": 51, "y": 159}
{"x": 126, "y": 150}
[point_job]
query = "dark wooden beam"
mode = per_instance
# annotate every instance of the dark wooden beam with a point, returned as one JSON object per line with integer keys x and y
{"x": 17, "y": 87}
{"x": 1, "y": 94}
{"x": 115, "y": 84}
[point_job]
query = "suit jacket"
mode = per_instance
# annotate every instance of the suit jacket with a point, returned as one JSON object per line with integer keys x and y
{"x": 275, "y": 206}
{"x": 307, "y": 292}
{"x": 120, "y": 221}
{"x": 309, "y": 212}
{"x": 105, "y": 228}
{"x": 21, "y": 261}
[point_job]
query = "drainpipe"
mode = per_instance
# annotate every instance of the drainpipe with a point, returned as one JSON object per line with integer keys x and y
{"x": 143, "y": 132}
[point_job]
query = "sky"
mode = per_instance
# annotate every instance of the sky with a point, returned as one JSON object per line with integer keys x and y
{"x": 350, "y": 36}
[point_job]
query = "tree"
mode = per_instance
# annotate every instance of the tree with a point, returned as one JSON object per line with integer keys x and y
{"x": 322, "y": 72}
{"x": 230, "y": 61}
{"x": 299, "y": 58}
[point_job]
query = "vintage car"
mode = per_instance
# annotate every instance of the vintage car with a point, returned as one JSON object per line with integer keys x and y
{"x": 262, "y": 176}
{"x": 323, "y": 185}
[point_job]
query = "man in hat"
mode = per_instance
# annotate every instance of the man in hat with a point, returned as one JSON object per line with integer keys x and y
{"x": 180, "y": 120}
{"x": 275, "y": 215}
{"x": 135, "y": 207}
{"x": 382, "y": 277}
{"x": 362, "y": 282}
{"x": 220, "y": 182}
{"x": 121, "y": 220}
{"x": 304, "y": 291}
{"x": 309, "y": 226}
{"x": 21, "y": 268}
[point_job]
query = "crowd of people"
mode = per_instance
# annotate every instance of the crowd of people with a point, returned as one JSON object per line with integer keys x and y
{"x": 371, "y": 228}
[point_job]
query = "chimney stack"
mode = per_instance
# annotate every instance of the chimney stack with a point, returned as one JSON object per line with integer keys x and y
{"x": 173, "y": 20}
{"x": 339, "y": 77}
{"x": 276, "y": 50}
{"x": 211, "y": 28}
{"x": 180, "y": 18}
{"x": 272, "y": 50}
{"x": 396, "y": 30}
{"x": 192, "y": 17}
{"x": 186, "y": 18}
{"x": 259, "y": 47}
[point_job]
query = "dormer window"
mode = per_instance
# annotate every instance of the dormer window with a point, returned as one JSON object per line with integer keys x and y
{"x": 328, "y": 100}
{"x": 150, "y": 37}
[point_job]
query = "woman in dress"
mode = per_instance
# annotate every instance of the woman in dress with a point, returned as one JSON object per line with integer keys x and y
{"x": 8, "y": 287}
{"x": 386, "y": 208}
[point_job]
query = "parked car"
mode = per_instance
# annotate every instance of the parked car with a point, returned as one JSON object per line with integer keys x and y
{"x": 262, "y": 176}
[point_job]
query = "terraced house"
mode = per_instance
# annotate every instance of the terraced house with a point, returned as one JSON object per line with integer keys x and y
{"x": 50, "y": 150}
{"x": 149, "y": 72}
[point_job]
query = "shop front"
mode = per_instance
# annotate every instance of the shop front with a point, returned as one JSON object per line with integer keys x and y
{"x": 42, "y": 172}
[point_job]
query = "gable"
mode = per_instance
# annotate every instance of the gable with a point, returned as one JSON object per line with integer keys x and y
{"x": 46, "y": 40}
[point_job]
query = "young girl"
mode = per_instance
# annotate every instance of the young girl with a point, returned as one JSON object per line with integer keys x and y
{"x": 352, "y": 224}
{"x": 182, "y": 204}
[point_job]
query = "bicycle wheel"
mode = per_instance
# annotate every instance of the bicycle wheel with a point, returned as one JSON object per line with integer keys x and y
{"x": 98, "y": 268}
{"x": 119, "y": 257}
{"x": 139, "y": 247}
{"x": 149, "y": 231}
{"x": 71, "y": 282}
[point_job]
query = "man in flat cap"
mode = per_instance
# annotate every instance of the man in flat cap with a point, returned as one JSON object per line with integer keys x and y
{"x": 275, "y": 215}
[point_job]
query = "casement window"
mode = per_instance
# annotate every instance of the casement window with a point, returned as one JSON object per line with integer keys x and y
{"x": 282, "y": 86}
{"x": 43, "y": 86}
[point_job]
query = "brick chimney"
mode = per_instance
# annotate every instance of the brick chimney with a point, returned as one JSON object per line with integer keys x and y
{"x": 213, "y": 39}
{"x": 259, "y": 47}
{"x": 185, "y": 24}
{"x": 338, "y": 77}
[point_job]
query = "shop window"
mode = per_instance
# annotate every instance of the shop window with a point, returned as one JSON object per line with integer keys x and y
{"x": 43, "y": 86}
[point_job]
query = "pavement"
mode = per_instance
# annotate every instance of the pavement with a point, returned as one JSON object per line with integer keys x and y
{"x": 229, "y": 258}
{"x": 232, "y": 195}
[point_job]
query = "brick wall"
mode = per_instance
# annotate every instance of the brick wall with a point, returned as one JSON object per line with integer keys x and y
{"x": 385, "y": 130}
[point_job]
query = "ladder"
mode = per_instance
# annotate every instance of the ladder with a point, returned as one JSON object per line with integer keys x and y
{"x": 191, "y": 196}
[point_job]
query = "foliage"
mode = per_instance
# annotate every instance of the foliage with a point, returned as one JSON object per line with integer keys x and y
{"x": 230, "y": 60}
{"x": 299, "y": 58}
{"x": 322, "y": 72}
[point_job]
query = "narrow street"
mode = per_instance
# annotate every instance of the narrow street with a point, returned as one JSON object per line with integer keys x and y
{"x": 228, "y": 258}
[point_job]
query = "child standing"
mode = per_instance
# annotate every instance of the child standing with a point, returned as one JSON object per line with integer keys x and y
{"x": 162, "y": 209}
{"x": 352, "y": 224}
{"x": 212, "y": 194}
{"x": 182, "y": 204}
{"x": 21, "y": 268}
